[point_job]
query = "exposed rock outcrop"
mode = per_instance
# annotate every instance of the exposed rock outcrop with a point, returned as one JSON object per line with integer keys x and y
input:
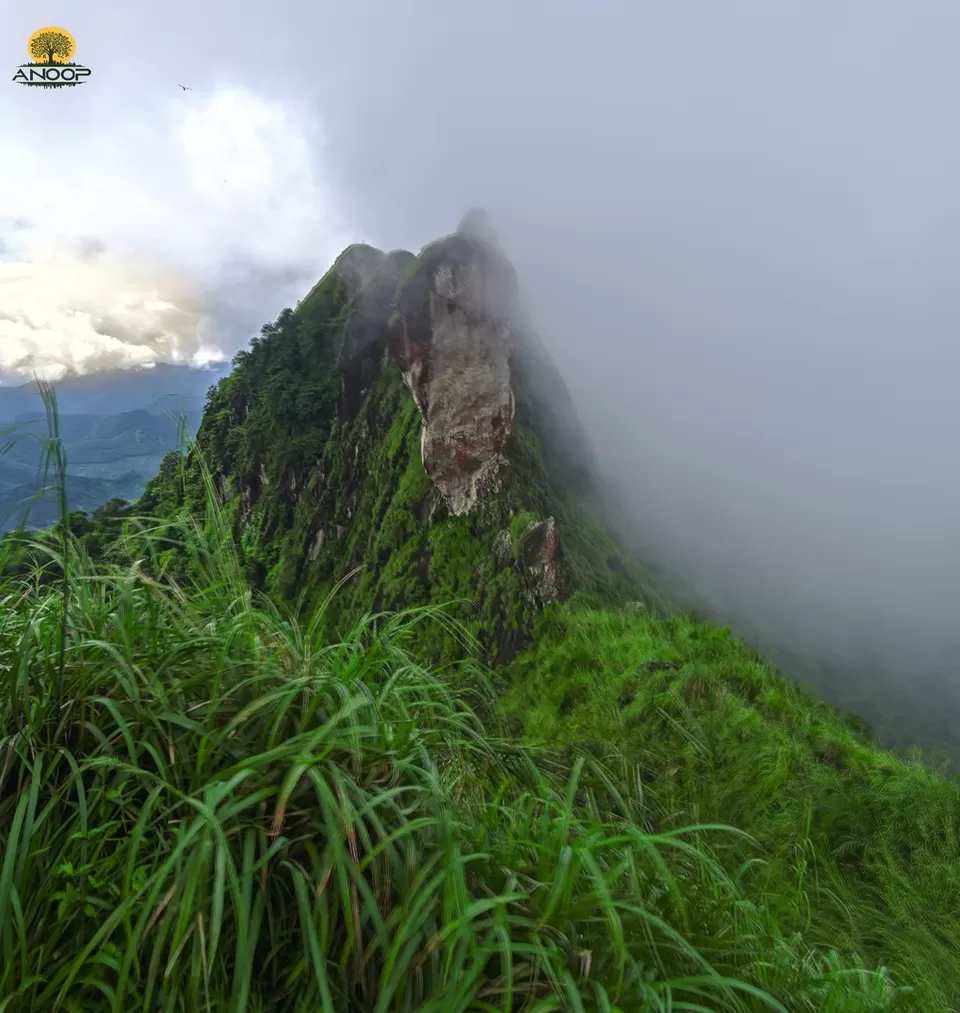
{"x": 452, "y": 340}
{"x": 539, "y": 559}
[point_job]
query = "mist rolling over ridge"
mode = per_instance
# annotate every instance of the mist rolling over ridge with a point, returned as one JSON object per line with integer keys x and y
{"x": 737, "y": 232}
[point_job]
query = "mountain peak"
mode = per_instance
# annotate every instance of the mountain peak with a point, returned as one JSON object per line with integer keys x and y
{"x": 476, "y": 223}
{"x": 401, "y": 436}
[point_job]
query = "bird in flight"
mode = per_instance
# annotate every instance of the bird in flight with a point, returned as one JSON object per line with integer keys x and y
{"x": 184, "y": 87}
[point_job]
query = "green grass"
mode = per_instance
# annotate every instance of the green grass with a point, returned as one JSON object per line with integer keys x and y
{"x": 205, "y": 804}
{"x": 855, "y": 848}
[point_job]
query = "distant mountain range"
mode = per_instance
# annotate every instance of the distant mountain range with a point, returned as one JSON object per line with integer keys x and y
{"x": 118, "y": 390}
{"x": 116, "y": 426}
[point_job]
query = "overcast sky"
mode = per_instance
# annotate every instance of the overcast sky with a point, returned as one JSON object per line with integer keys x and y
{"x": 737, "y": 226}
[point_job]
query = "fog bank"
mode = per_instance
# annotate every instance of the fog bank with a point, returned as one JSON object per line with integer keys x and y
{"x": 737, "y": 232}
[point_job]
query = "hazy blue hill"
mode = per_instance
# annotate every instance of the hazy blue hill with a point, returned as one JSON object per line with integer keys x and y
{"x": 117, "y": 390}
{"x": 116, "y": 428}
{"x": 91, "y": 439}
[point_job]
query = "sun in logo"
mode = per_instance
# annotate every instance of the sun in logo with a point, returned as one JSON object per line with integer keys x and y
{"x": 51, "y": 45}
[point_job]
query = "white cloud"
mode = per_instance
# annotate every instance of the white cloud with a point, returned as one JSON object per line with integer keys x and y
{"x": 250, "y": 163}
{"x": 123, "y": 257}
{"x": 71, "y": 308}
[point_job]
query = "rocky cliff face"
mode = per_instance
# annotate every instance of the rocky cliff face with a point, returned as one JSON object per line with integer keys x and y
{"x": 452, "y": 340}
{"x": 404, "y": 429}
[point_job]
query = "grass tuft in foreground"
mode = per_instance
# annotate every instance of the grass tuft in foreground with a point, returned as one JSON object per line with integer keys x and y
{"x": 201, "y": 806}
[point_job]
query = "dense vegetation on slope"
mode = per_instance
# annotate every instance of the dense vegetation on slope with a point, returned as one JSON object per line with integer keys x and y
{"x": 314, "y": 442}
{"x": 205, "y": 805}
{"x": 207, "y": 802}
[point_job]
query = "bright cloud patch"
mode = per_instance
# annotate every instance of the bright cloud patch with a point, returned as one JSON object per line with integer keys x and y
{"x": 80, "y": 310}
{"x": 125, "y": 263}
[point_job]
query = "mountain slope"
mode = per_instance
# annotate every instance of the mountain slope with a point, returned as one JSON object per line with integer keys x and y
{"x": 739, "y": 846}
{"x": 404, "y": 430}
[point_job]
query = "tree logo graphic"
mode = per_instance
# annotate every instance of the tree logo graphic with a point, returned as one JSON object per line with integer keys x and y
{"x": 51, "y": 50}
{"x": 51, "y": 45}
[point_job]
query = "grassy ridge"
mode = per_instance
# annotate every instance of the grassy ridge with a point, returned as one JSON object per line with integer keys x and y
{"x": 207, "y": 805}
{"x": 859, "y": 848}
